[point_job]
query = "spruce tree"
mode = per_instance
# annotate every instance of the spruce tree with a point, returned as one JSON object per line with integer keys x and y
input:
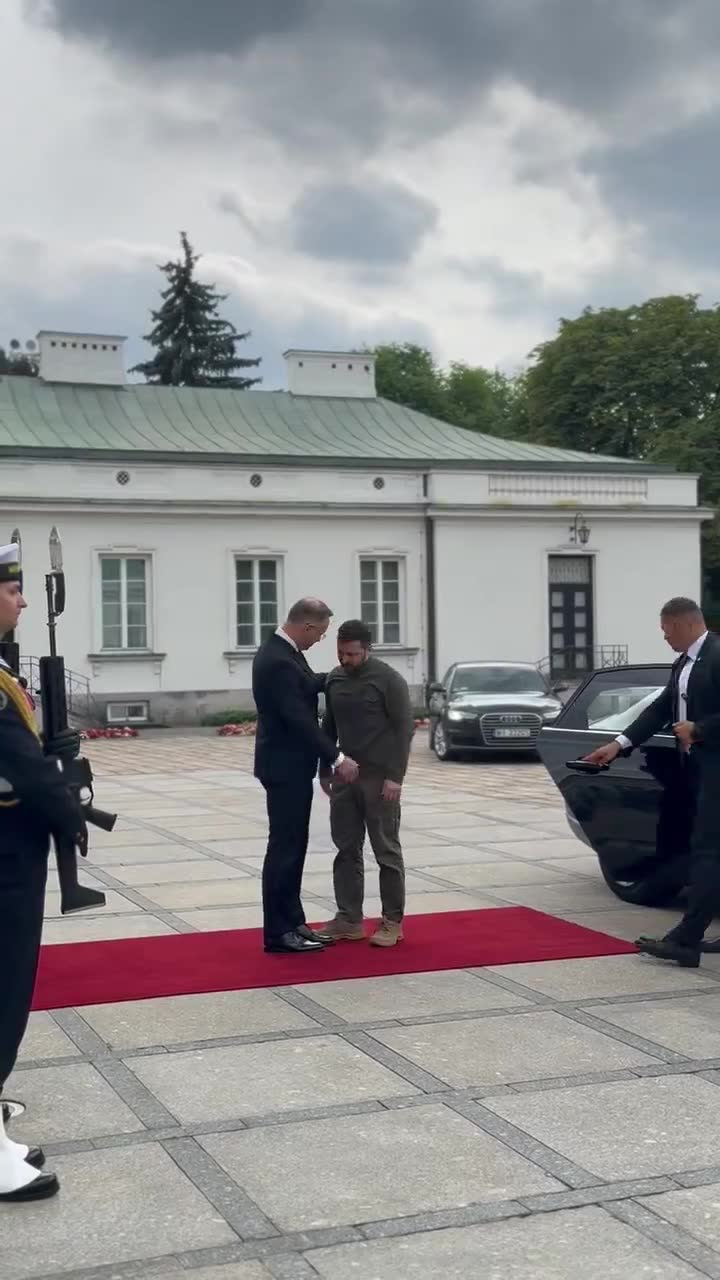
{"x": 194, "y": 347}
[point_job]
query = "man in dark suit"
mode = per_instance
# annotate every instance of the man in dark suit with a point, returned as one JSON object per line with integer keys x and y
{"x": 690, "y": 702}
{"x": 288, "y": 746}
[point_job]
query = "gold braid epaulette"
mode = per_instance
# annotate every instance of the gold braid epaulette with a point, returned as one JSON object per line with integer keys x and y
{"x": 16, "y": 697}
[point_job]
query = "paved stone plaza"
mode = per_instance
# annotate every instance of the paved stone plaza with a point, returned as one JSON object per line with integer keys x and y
{"x": 518, "y": 1123}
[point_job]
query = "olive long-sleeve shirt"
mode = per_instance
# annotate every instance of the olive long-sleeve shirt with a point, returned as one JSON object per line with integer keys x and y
{"x": 368, "y": 713}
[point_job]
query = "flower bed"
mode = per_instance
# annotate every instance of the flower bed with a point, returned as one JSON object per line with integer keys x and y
{"x": 89, "y": 735}
{"x": 247, "y": 729}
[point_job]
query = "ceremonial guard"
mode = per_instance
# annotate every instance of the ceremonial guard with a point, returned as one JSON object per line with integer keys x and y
{"x": 35, "y": 805}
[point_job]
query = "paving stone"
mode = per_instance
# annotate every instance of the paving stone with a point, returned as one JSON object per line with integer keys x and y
{"x": 217, "y": 893}
{"x": 599, "y": 977}
{"x": 539, "y": 847}
{"x": 487, "y": 874}
{"x": 148, "y": 873}
{"x": 176, "y": 1019}
{"x": 211, "y": 919}
{"x": 361, "y": 1168}
{"x": 577, "y": 895}
{"x": 630, "y": 1129}
{"x": 624, "y": 922}
{"x": 429, "y": 856}
{"x": 409, "y": 995}
{"x": 489, "y": 835}
{"x": 99, "y": 928}
{"x": 114, "y": 1207}
{"x": 68, "y": 1102}
{"x": 696, "y": 1211}
{"x": 583, "y": 865}
{"x": 421, "y": 818}
{"x": 548, "y": 1247}
{"x": 233, "y": 1271}
{"x": 109, "y": 856}
{"x": 690, "y": 1025}
{"x": 45, "y": 1039}
{"x": 260, "y": 1079}
{"x": 500, "y": 1050}
{"x": 126, "y": 837}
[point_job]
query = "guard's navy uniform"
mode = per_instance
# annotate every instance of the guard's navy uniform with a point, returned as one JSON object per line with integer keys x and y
{"x": 35, "y": 803}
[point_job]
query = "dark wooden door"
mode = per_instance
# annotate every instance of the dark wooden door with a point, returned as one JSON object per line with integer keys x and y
{"x": 571, "y": 607}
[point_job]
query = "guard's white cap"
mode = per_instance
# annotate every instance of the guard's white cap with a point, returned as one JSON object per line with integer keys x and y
{"x": 10, "y": 562}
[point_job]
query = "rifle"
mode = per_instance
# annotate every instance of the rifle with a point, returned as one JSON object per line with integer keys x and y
{"x": 63, "y": 744}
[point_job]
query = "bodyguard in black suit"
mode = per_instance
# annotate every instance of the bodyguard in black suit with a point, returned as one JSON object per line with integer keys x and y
{"x": 288, "y": 746}
{"x": 690, "y": 703}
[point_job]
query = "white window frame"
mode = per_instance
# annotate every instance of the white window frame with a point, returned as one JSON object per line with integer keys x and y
{"x": 124, "y": 554}
{"x": 255, "y": 554}
{"x": 377, "y": 556}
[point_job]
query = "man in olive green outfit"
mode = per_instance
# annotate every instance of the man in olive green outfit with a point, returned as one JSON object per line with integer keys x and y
{"x": 368, "y": 713}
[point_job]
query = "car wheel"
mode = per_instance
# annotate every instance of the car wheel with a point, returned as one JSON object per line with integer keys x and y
{"x": 440, "y": 743}
{"x": 656, "y": 888}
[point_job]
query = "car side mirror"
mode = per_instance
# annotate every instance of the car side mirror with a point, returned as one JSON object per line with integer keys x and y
{"x": 561, "y": 687}
{"x": 433, "y": 691}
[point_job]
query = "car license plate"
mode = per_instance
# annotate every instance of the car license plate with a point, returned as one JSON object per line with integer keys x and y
{"x": 513, "y": 733}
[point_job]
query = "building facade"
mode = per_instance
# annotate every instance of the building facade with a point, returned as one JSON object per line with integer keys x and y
{"x": 191, "y": 519}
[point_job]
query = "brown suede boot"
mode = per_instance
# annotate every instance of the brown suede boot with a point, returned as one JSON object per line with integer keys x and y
{"x": 338, "y": 930}
{"x": 387, "y": 934}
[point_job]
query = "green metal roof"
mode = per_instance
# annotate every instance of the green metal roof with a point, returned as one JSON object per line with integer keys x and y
{"x": 173, "y": 423}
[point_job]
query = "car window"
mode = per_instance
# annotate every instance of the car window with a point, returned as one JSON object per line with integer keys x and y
{"x": 487, "y": 679}
{"x": 615, "y": 709}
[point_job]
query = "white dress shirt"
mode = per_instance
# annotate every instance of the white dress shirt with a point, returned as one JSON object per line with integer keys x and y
{"x": 680, "y": 710}
{"x": 288, "y": 639}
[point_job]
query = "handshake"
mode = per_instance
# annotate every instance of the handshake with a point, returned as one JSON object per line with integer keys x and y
{"x": 346, "y": 771}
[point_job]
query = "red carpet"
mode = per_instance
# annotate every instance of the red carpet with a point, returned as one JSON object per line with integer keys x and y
{"x": 79, "y": 973}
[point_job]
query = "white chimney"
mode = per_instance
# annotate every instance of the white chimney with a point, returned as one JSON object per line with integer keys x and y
{"x": 346, "y": 374}
{"x": 93, "y": 359}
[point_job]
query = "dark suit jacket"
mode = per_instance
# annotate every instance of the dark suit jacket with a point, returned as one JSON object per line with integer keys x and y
{"x": 289, "y": 741}
{"x": 703, "y": 701}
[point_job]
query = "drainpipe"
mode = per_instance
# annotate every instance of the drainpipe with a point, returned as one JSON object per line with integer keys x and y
{"x": 430, "y": 603}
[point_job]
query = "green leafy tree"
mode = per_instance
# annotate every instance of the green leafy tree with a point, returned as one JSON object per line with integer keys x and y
{"x": 638, "y": 383}
{"x": 613, "y": 381}
{"x": 194, "y": 346}
{"x": 18, "y": 363}
{"x": 407, "y": 374}
{"x": 464, "y": 395}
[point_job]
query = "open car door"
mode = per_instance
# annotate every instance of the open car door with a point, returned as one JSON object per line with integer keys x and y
{"x": 634, "y": 814}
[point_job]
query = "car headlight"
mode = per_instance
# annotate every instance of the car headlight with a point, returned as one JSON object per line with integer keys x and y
{"x": 549, "y": 716}
{"x": 461, "y": 715}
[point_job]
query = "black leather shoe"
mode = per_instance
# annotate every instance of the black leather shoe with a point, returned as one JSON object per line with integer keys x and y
{"x": 711, "y": 947}
{"x": 41, "y": 1188}
{"x": 294, "y": 943}
{"x": 668, "y": 949}
{"x": 314, "y": 936}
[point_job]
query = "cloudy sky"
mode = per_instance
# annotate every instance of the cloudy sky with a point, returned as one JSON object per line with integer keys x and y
{"x": 459, "y": 173}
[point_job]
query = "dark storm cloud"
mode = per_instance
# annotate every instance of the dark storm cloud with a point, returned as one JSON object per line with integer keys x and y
{"x": 582, "y": 53}
{"x": 671, "y": 185}
{"x": 376, "y": 223}
{"x": 161, "y": 29}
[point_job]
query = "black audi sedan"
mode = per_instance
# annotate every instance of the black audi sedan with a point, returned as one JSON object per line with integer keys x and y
{"x": 632, "y": 814}
{"x": 490, "y": 707}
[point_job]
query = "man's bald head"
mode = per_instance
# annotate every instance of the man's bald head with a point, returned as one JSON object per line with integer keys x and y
{"x": 307, "y": 621}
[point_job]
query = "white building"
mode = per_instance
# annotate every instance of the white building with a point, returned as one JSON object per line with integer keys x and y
{"x": 190, "y": 520}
